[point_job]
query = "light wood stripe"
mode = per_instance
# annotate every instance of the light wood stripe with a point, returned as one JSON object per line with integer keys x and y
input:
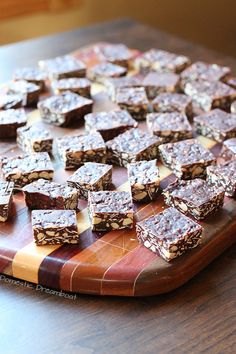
{"x": 27, "y": 260}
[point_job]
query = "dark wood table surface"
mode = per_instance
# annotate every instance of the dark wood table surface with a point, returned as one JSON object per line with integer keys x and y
{"x": 199, "y": 317}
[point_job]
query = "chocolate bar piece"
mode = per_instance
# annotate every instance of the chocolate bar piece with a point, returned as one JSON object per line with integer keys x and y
{"x": 74, "y": 151}
{"x": 161, "y": 61}
{"x": 34, "y": 139}
{"x": 131, "y": 146}
{"x": 224, "y": 175}
{"x": 8, "y": 101}
{"x": 134, "y": 100}
{"x": 64, "y": 109}
{"x": 28, "y": 91}
{"x": 91, "y": 176}
{"x": 173, "y": 102}
{"x": 110, "y": 210}
{"x": 117, "y": 54}
{"x": 43, "y": 194}
{"x": 204, "y": 71}
{"x": 114, "y": 84}
{"x": 6, "y": 200}
{"x": 195, "y": 197}
{"x": 33, "y": 75}
{"x": 210, "y": 94}
{"x": 10, "y": 120}
{"x": 109, "y": 124}
{"x": 63, "y": 67}
{"x": 169, "y": 233}
{"x": 233, "y": 107}
{"x": 170, "y": 127}
{"x": 102, "y": 71}
{"x": 144, "y": 180}
{"x": 81, "y": 86}
{"x": 25, "y": 169}
{"x": 187, "y": 158}
{"x": 54, "y": 227}
{"x": 216, "y": 124}
{"x": 156, "y": 83}
{"x": 228, "y": 151}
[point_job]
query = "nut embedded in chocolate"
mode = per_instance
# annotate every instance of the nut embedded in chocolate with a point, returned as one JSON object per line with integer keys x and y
{"x": 233, "y": 107}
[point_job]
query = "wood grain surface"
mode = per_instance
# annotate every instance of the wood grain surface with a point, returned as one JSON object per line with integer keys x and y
{"x": 199, "y": 317}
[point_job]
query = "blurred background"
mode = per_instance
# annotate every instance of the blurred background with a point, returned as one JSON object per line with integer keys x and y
{"x": 209, "y": 22}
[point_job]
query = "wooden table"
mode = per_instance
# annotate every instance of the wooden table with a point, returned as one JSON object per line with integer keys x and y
{"x": 198, "y": 317}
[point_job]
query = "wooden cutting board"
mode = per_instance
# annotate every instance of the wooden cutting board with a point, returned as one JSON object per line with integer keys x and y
{"x": 111, "y": 263}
